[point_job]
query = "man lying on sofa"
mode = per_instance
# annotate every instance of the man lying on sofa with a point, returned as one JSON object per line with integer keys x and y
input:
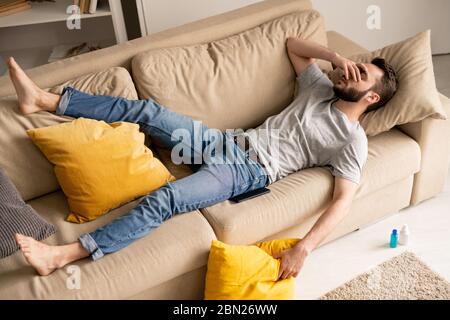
{"x": 320, "y": 128}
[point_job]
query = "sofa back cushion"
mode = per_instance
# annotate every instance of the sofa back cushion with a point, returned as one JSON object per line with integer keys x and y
{"x": 26, "y": 166}
{"x": 236, "y": 82}
{"x": 200, "y": 31}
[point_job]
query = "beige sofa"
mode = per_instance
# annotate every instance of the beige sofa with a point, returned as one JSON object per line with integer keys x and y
{"x": 405, "y": 166}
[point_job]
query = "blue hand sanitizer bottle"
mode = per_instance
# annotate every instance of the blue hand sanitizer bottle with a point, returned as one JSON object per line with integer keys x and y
{"x": 394, "y": 239}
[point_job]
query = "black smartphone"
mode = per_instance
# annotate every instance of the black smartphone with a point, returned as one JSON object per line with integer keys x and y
{"x": 249, "y": 195}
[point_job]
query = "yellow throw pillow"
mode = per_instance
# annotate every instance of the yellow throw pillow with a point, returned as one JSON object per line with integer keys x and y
{"x": 417, "y": 97}
{"x": 23, "y": 159}
{"x": 99, "y": 166}
{"x": 237, "y": 272}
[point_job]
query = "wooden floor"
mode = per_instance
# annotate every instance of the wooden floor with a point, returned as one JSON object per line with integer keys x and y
{"x": 335, "y": 263}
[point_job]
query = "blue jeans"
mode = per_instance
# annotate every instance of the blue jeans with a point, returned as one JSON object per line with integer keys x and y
{"x": 209, "y": 184}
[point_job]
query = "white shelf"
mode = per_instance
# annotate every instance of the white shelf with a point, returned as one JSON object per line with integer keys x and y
{"x": 21, "y": 34}
{"x": 44, "y": 12}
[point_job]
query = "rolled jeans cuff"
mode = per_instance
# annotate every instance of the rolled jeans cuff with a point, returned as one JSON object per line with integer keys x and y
{"x": 64, "y": 101}
{"x": 89, "y": 244}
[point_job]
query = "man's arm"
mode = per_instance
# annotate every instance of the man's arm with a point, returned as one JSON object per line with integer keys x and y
{"x": 344, "y": 192}
{"x": 303, "y": 52}
{"x": 293, "y": 259}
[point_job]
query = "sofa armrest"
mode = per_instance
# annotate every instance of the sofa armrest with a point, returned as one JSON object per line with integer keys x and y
{"x": 343, "y": 45}
{"x": 433, "y": 137}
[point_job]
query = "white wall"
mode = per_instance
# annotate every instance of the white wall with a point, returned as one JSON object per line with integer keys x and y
{"x": 165, "y": 14}
{"x": 399, "y": 19}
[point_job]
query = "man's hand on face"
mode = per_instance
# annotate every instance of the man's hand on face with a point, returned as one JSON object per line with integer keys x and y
{"x": 291, "y": 261}
{"x": 349, "y": 67}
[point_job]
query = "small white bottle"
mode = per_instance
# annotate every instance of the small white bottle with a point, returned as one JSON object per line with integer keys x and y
{"x": 403, "y": 238}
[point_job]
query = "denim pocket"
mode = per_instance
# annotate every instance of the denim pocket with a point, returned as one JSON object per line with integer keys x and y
{"x": 256, "y": 177}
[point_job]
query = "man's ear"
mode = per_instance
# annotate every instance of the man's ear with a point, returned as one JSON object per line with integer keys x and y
{"x": 372, "y": 97}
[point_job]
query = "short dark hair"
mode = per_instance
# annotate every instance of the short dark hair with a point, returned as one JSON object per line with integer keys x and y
{"x": 386, "y": 86}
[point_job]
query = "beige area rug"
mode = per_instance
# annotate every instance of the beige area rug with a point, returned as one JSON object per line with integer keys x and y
{"x": 404, "y": 277}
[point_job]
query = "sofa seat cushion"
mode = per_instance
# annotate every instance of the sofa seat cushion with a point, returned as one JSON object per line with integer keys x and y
{"x": 27, "y": 167}
{"x": 236, "y": 82}
{"x": 292, "y": 200}
{"x": 178, "y": 246}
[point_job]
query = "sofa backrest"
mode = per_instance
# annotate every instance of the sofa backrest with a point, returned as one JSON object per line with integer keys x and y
{"x": 201, "y": 31}
{"x": 31, "y": 173}
{"x": 236, "y": 82}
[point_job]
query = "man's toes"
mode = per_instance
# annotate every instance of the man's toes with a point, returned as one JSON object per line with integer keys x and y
{"x": 26, "y": 250}
{"x": 24, "y": 237}
{"x": 24, "y": 244}
{"x": 23, "y": 241}
{"x": 12, "y": 63}
{"x": 18, "y": 237}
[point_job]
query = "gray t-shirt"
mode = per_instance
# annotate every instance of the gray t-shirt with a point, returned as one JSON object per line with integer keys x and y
{"x": 311, "y": 132}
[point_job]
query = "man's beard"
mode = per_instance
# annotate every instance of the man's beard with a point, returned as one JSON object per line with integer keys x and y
{"x": 350, "y": 95}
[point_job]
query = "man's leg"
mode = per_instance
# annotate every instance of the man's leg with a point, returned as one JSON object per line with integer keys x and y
{"x": 209, "y": 185}
{"x": 44, "y": 258}
{"x": 199, "y": 190}
{"x": 154, "y": 119}
{"x": 31, "y": 98}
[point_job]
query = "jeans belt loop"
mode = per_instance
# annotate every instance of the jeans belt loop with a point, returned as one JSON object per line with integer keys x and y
{"x": 252, "y": 155}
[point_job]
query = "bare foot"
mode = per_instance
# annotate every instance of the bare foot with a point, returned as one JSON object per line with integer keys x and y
{"x": 45, "y": 259}
{"x": 31, "y": 97}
